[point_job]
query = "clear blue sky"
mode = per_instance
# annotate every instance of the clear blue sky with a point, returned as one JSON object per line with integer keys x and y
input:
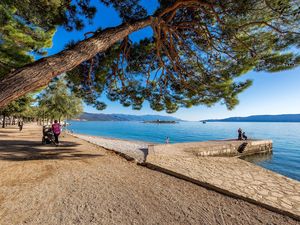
{"x": 271, "y": 93}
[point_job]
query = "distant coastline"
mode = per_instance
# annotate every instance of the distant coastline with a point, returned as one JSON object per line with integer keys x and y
{"x": 284, "y": 118}
{"x": 123, "y": 117}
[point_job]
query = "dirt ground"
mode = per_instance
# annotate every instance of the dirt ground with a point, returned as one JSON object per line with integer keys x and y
{"x": 79, "y": 183}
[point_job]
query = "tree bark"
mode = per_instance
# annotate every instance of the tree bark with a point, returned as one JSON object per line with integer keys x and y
{"x": 3, "y": 123}
{"x": 40, "y": 72}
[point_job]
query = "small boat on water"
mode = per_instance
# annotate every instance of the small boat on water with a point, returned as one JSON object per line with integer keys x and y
{"x": 204, "y": 122}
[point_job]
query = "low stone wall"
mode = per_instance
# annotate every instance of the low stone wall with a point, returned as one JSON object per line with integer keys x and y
{"x": 214, "y": 148}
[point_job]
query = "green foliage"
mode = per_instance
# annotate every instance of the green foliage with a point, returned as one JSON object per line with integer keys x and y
{"x": 27, "y": 27}
{"x": 56, "y": 102}
{"x": 129, "y": 10}
{"x": 17, "y": 39}
{"x": 197, "y": 52}
{"x": 47, "y": 14}
{"x": 195, "y": 56}
{"x": 19, "y": 107}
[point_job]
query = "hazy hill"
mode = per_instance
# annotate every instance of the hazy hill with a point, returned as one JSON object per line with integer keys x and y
{"x": 261, "y": 118}
{"x": 123, "y": 117}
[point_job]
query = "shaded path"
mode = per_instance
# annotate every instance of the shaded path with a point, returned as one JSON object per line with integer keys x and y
{"x": 80, "y": 183}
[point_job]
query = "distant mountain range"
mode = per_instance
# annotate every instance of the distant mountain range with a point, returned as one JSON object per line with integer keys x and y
{"x": 123, "y": 117}
{"x": 261, "y": 118}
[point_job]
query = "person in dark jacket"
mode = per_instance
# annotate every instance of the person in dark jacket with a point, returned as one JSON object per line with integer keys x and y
{"x": 244, "y": 136}
{"x": 20, "y": 125}
{"x": 240, "y": 134}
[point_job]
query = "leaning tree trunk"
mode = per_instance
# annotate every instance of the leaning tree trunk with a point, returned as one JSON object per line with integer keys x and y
{"x": 40, "y": 73}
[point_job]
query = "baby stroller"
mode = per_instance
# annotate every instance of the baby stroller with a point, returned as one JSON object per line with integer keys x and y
{"x": 48, "y": 136}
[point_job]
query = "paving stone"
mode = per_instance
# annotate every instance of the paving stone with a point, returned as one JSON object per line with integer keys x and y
{"x": 232, "y": 176}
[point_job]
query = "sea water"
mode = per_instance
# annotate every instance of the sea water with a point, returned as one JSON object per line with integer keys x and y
{"x": 285, "y": 158}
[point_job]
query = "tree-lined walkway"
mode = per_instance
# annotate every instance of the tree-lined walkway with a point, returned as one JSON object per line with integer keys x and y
{"x": 80, "y": 183}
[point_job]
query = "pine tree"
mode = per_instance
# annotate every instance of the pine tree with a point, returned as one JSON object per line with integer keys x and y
{"x": 16, "y": 108}
{"x": 57, "y": 102}
{"x": 198, "y": 49}
{"x": 28, "y": 27}
{"x": 18, "y": 39}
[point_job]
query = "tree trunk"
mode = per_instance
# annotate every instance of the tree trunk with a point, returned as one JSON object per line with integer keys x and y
{"x": 40, "y": 72}
{"x": 3, "y": 123}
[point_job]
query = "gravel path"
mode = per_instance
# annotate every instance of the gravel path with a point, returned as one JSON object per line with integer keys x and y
{"x": 80, "y": 183}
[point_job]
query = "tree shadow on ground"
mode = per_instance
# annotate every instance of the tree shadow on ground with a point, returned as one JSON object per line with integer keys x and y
{"x": 8, "y": 131}
{"x": 22, "y": 150}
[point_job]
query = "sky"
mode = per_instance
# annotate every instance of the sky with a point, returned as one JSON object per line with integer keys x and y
{"x": 270, "y": 94}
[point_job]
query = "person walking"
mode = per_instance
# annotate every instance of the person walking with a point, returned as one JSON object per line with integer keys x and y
{"x": 20, "y": 125}
{"x": 56, "y": 128}
{"x": 240, "y": 134}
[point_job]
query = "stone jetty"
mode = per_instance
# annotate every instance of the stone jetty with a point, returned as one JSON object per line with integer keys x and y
{"x": 215, "y": 148}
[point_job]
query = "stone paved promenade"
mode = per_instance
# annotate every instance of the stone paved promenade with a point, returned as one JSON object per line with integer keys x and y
{"x": 232, "y": 176}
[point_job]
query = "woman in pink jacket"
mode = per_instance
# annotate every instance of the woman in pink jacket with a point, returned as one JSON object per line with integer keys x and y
{"x": 56, "y": 130}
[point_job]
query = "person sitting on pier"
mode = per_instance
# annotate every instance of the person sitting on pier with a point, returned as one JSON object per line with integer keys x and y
{"x": 240, "y": 134}
{"x": 244, "y": 136}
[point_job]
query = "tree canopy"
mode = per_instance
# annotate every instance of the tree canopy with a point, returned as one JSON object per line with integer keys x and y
{"x": 198, "y": 49}
{"x": 18, "y": 108}
{"x": 17, "y": 40}
{"x": 28, "y": 27}
{"x": 57, "y": 102}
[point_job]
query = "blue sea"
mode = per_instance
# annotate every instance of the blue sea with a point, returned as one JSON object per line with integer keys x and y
{"x": 286, "y": 137}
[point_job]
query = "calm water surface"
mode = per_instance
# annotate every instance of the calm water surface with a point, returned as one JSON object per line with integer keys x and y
{"x": 286, "y": 137}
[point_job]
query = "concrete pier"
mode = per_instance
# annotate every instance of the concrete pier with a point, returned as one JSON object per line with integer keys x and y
{"x": 214, "y": 148}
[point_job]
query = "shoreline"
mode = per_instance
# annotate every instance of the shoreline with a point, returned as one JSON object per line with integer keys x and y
{"x": 284, "y": 160}
{"x": 81, "y": 183}
{"x": 131, "y": 150}
{"x": 111, "y": 138}
{"x": 258, "y": 188}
